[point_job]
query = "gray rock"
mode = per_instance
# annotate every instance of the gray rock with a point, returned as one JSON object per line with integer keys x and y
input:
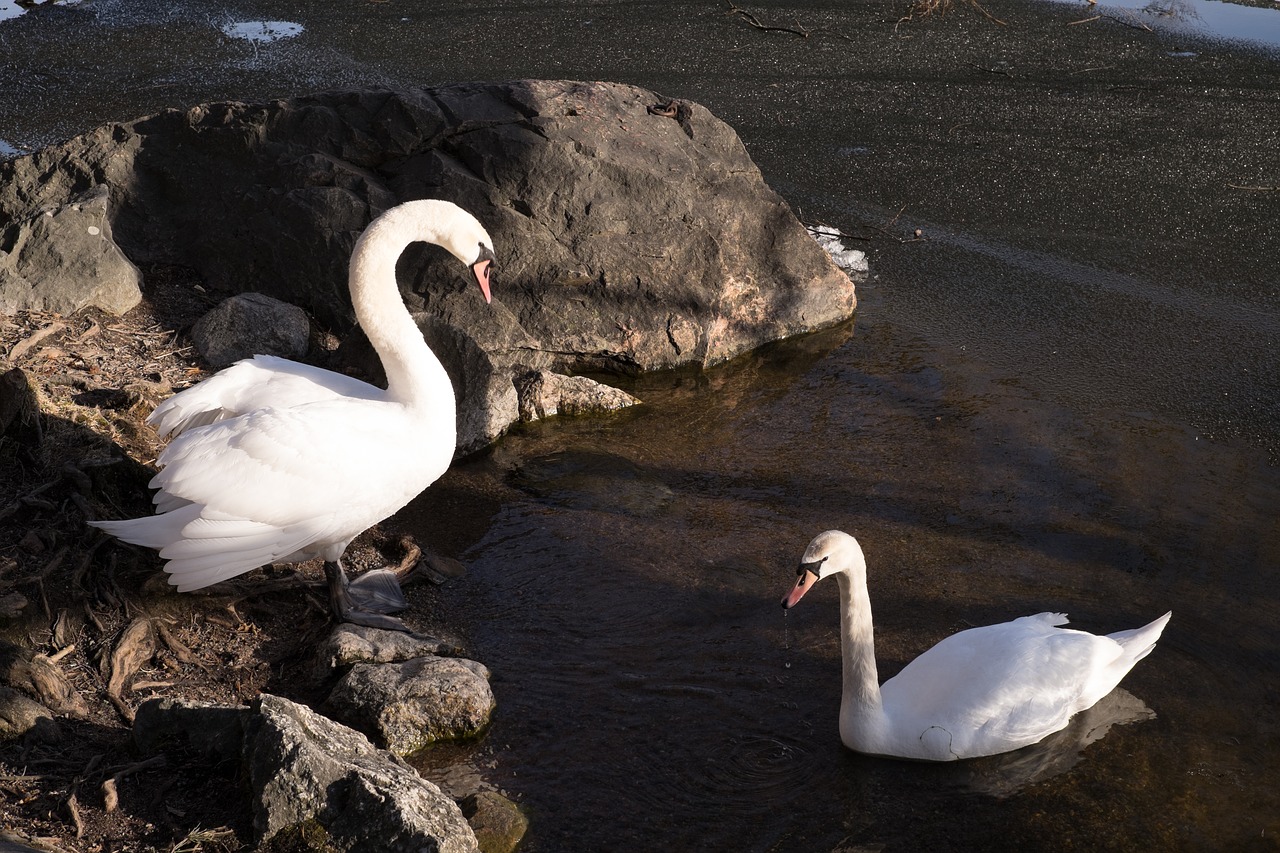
{"x": 307, "y": 769}
{"x": 627, "y": 239}
{"x": 413, "y": 704}
{"x": 63, "y": 257}
{"x": 19, "y": 714}
{"x": 351, "y": 644}
{"x": 250, "y": 324}
{"x": 312, "y": 781}
{"x": 543, "y": 394}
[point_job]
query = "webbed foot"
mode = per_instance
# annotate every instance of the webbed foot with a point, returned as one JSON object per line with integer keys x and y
{"x": 367, "y": 599}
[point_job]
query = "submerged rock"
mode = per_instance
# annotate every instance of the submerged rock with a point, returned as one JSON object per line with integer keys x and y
{"x": 632, "y": 233}
{"x": 498, "y": 823}
{"x": 543, "y": 394}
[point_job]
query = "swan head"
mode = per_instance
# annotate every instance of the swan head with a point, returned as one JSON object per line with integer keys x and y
{"x": 447, "y": 225}
{"x": 831, "y": 552}
{"x": 467, "y": 241}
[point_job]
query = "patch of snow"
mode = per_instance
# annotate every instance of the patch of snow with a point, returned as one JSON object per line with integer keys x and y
{"x": 849, "y": 260}
{"x": 262, "y": 32}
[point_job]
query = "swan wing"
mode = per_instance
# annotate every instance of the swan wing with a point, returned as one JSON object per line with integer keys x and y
{"x": 355, "y": 460}
{"x": 992, "y": 689}
{"x": 254, "y": 383}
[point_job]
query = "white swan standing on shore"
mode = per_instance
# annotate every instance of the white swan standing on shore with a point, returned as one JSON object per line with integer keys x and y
{"x": 276, "y": 461}
{"x": 979, "y": 692}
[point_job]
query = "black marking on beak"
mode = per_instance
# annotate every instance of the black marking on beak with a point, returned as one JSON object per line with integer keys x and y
{"x": 814, "y": 568}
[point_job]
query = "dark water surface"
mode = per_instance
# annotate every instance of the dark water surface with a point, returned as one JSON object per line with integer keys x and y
{"x": 1063, "y": 395}
{"x": 652, "y": 694}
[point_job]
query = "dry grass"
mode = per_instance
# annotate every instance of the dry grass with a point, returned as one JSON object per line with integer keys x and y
{"x": 927, "y": 8}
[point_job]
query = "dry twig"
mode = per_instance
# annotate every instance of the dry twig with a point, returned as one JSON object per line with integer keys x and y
{"x": 755, "y": 22}
{"x": 24, "y": 346}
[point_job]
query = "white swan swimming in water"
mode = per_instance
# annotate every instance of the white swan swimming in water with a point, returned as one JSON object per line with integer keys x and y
{"x": 276, "y": 461}
{"x": 979, "y": 692}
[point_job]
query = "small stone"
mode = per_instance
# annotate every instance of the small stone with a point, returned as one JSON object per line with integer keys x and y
{"x": 251, "y": 324}
{"x": 19, "y": 714}
{"x": 351, "y": 644}
{"x": 214, "y": 731}
{"x": 498, "y": 823}
{"x": 413, "y": 704}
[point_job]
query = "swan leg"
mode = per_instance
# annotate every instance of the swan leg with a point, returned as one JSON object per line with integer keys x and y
{"x": 365, "y": 602}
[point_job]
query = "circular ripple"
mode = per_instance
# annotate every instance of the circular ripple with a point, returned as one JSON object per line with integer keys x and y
{"x": 748, "y": 770}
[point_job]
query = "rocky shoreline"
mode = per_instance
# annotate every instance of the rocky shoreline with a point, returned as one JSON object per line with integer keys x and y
{"x": 633, "y": 234}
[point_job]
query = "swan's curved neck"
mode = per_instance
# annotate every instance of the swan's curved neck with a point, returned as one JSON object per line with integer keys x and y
{"x": 414, "y": 374}
{"x": 860, "y": 698}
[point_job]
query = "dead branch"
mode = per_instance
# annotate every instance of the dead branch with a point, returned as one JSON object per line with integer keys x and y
{"x": 989, "y": 70}
{"x": 24, "y": 346}
{"x": 136, "y": 646}
{"x": 74, "y": 810}
{"x": 1129, "y": 22}
{"x": 755, "y": 22}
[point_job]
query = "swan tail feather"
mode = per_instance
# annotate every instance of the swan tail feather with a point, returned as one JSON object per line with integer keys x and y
{"x": 216, "y": 549}
{"x": 207, "y": 402}
{"x": 201, "y": 549}
{"x": 152, "y": 531}
{"x": 1138, "y": 642}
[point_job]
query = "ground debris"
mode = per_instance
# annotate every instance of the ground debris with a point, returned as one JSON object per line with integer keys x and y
{"x": 136, "y": 647}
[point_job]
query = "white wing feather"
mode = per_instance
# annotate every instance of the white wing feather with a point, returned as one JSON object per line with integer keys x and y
{"x": 285, "y": 485}
{"x": 254, "y": 383}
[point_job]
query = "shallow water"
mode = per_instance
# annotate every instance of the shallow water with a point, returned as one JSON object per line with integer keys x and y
{"x": 1199, "y": 19}
{"x": 652, "y": 694}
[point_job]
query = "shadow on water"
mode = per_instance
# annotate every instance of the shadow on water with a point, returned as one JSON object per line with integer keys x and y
{"x": 651, "y": 693}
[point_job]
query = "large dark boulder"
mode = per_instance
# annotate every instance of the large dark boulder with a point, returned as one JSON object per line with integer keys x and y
{"x": 632, "y": 233}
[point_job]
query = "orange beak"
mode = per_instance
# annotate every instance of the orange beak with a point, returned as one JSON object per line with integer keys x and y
{"x": 805, "y": 582}
{"x": 480, "y": 269}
